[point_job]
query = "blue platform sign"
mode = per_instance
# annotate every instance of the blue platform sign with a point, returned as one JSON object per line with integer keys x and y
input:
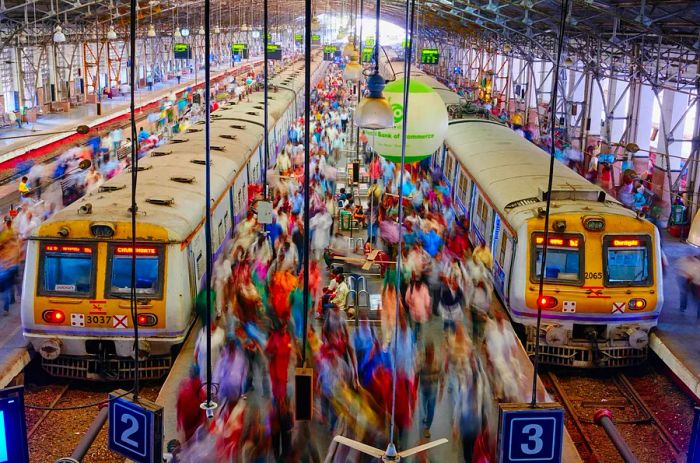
{"x": 694, "y": 446}
{"x": 530, "y": 435}
{"x": 13, "y": 427}
{"x": 135, "y": 429}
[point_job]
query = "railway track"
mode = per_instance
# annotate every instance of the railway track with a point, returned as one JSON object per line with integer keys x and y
{"x": 53, "y": 434}
{"x": 651, "y": 437}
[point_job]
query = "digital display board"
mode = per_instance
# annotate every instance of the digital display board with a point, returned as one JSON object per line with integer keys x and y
{"x": 429, "y": 56}
{"x": 329, "y": 52}
{"x": 298, "y": 38}
{"x": 182, "y": 51}
{"x": 367, "y": 54}
{"x": 274, "y": 51}
{"x": 13, "y": 427}
{"x": 315, "y": 38}
{"x": 240, "y": 49}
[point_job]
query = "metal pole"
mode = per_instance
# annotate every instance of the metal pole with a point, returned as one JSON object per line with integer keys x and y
{"x": 90, "y": 435}
{"x": 207, "y": 187}
{"x": 134, "y": 178}
{"x": 603, "y": 417}
{"x": 266, "y": 137}
{"x": 307, "y": 159}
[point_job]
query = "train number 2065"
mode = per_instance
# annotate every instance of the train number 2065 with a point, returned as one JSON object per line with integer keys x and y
{"x": 594, "y": 275}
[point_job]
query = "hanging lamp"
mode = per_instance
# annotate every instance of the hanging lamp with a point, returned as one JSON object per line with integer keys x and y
{"x": 217, "y": 30}
{"x": 353, "y": 69}
{"x": 177, "y": 33}
{"x": 151, "y": 31}
{"x": 185, "y": 32}
{"x": 58, "y": 35}
{"x": 374, "y": 111}
{"x": 315, "y": 24}
{"x": 111, "y": 33}
{"x": 200, "y": 31}
{"x": 349, "y": 48}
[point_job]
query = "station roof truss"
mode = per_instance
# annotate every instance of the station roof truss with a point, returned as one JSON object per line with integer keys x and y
{"x": 656, "y": 40}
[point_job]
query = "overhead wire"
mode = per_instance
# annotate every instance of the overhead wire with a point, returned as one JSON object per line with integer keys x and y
{"x": 550, "y": 180}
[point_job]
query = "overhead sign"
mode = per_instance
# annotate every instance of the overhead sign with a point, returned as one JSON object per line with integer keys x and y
{"x": 367, "y": 54}
{"x": 329, "y": 52}
{"x": 13, "y": 427}
{"x": 369, "y": 42}
{"x": 298, "y": 38}
{"x": 135, "y": 429}
{"x": 264, "y": 210}
{"x": 530, "y": 435}
{"x": 182, "y": 51}
{"x": 240, "y": 49}
{"x": 274, "y": 51}
{"x": 315, "y": 38}
{"x": 429, "y": 56}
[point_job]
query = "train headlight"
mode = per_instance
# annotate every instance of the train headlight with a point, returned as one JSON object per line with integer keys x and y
{"x": 547, "y": 302}
{"x": 53, "y": 316}
{"x": 147, "y": 319}
{"x": 637, "y": 304}
{"x": 594, "y": 224}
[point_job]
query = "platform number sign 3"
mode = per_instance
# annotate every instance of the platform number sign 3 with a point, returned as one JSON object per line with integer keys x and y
{"x": 532, "y": 435}
{"x": 135, "y": 429}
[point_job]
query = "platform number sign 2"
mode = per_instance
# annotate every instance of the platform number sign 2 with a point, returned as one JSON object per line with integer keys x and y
{"x": 532, "y": 435}
{"x": 135, "y": 429}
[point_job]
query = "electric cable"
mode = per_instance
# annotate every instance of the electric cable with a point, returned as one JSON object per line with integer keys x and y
{"x": 134, "y": 177}
{"x": 410, "y": 12}
{"x": 550, "y": 180}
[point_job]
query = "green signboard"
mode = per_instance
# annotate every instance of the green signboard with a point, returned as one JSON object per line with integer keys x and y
{"x": 182, "y": 51}
{"x": 329, "y": 48}
{"x": 315, "y": 38}
{"x": 405, "y": 43}
{"x": 369, "y": 42}
{"x": 367, "y": 54}
{"x": 429, "y": 56}
{"x": 274, "y": 51}
{"x": 298, "y": 38}
{"x": 240, "y": 49}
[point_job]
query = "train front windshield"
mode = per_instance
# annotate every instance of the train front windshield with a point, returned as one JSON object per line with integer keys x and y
{"x": 627, "y": 261}
{"x": 67, "y": 270}
{"x": 148, "y": 271}
{"x": 563, "y": 258}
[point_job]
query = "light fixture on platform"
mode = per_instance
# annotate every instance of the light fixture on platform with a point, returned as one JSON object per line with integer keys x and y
{"x": 58, "y": 35}
{"x": 111, "y": 33}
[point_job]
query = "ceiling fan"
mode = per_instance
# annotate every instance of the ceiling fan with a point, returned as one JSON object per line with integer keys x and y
{"x": 390, "y": 454}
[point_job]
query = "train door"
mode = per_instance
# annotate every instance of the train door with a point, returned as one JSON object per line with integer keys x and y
{"x": 499, "y": 246}
{"x": 481, "y": 221}
{"x": 192, "y": 272}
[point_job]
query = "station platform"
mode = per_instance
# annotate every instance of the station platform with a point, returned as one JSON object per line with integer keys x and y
{"x": 16, "y": 150}
{"x": 675, "y": 340}
{"x": 14, "y": 352}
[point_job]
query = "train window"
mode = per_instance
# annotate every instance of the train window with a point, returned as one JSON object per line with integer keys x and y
{"x": 564, "y": 258}
{"x": 148, "y": 270}
{"x": 221, "y": 231}
{"x": 502, "y": 250}
{"x": 463, "y": 186}
{"x": 67, "y": 270}
{"x": 626, "y": 261}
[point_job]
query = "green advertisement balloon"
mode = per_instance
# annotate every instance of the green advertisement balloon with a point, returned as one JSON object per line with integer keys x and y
{"x": 426, "y": 126}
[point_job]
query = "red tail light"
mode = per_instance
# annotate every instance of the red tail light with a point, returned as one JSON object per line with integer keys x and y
{"x": 147, "y": 319}
{"x": 637, "y": 304}
{"x": 547, "y": 302}
{"x": 53, "y": 316}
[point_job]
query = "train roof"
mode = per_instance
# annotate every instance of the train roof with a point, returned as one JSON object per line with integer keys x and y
{"x": 174, "y": 160}
{"x": 513, "y": 172}
{"x": 449, "y": 96}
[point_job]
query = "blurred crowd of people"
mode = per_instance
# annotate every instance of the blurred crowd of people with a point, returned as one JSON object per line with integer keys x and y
{"x": 438, "y": 333}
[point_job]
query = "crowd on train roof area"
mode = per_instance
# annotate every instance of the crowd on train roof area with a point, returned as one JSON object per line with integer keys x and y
{"x": 452, "y": 350}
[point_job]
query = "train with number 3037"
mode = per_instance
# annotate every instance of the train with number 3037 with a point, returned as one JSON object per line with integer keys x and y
{"x": 76, "y": 309}
{"x": 603, "y": 285}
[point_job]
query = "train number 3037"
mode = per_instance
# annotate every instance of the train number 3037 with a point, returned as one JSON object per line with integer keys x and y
{"x": 594, "y": 275}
